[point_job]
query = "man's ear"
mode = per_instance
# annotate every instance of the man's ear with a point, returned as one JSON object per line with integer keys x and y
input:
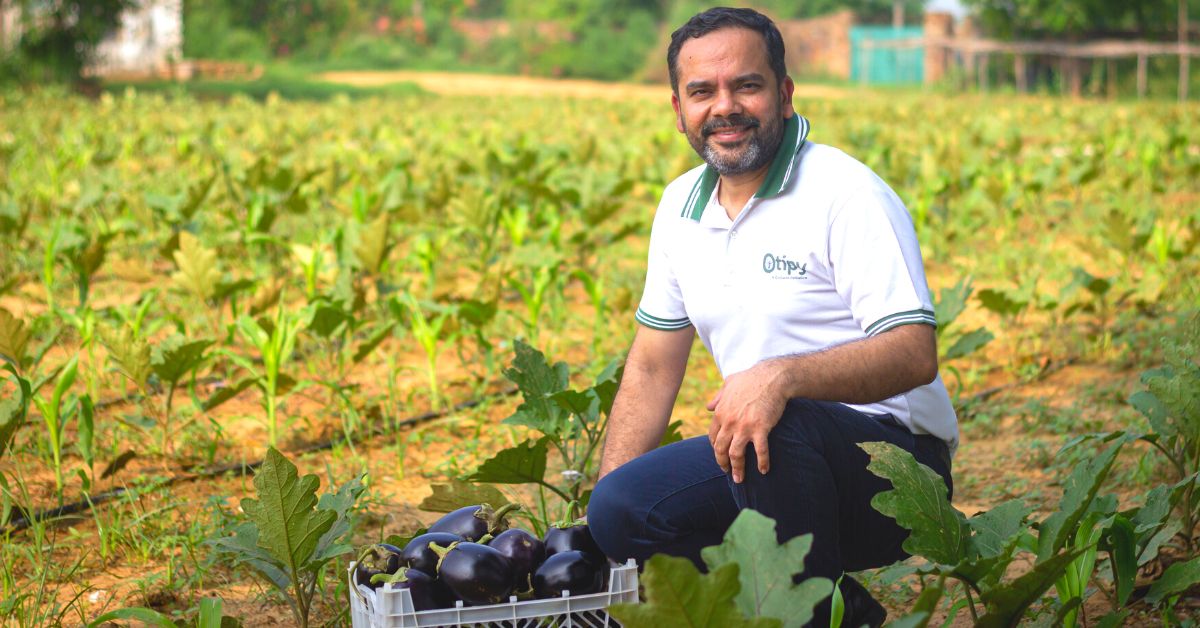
{"x": 786, "y": 89}
{"x": 678, "y": 115}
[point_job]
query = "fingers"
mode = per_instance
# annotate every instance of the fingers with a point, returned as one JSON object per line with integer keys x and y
{"x": 737, "y": 458}
{"x": 721, "y": 450}
{"x": 712, "y": 405}
{"x": 760, "y": 451}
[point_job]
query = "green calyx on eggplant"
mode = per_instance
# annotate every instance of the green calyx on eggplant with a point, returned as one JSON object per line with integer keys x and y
{"x": 418, "y": 555}
{"x": 571, "y": 571}
{"x": 572, "y": 534}
{"x": 377, "y": 559}
{"x": 472, "y": 522}
{"x": 421, "y": 587}
{"x": 477, "y": 574}
{"x": 525, "y": 551}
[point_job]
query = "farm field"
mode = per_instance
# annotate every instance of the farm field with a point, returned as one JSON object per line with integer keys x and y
{"x": 364, "y": 286}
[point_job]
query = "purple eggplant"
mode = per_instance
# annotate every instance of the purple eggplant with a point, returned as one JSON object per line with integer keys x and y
{"x": 418, "y": 555}
{"x": 473, "y": 522}
{"x": 576, "y": 538}
{"x": 524, "y": 550}
{"x": 421, "y": 586}
{"x": 476, "y": 573}
{"x": 377, "y": 559}
{"x": 571, "y": 571}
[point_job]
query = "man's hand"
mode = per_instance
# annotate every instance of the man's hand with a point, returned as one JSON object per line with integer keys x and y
{"x": 746, "y": 408}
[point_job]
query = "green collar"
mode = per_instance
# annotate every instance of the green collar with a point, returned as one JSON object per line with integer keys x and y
{"x": 794, "y": 133}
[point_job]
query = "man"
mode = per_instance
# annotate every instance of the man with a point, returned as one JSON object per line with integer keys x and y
{"x": 799, "y": 270}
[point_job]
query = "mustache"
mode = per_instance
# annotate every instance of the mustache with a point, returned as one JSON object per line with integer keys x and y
{"x": 735, "y": 120}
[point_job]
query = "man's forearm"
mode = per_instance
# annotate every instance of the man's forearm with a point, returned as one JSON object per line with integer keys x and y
{"x": 861, "y": 372}
{"x": 653, "y": 373}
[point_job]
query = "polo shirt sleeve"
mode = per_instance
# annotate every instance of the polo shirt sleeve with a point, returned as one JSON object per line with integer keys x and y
{"x": 662, "y": 302}
{"x": 876, "y": 260}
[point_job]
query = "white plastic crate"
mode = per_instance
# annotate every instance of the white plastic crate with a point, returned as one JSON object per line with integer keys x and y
{"x": 393, "y": 608}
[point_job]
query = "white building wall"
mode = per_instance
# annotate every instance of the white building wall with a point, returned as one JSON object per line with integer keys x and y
{"x": 148, "y": 41}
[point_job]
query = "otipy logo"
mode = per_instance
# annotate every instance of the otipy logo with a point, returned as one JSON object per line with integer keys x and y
{"x": 773, "y": 264}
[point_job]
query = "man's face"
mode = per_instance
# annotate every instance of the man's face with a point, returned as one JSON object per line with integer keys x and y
{"x": 729, "y": 103}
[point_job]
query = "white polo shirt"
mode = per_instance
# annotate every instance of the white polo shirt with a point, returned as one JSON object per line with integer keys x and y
{"x": 824, "y": 253}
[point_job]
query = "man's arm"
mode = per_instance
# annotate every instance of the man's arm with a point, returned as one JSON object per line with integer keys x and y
{"x": 751, "y": 402}
{"x": 640, "y": 413}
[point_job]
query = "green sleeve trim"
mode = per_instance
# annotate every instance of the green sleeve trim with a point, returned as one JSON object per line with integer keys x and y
{"x": 901, "y": 318}
{"x": 665, "y": 324}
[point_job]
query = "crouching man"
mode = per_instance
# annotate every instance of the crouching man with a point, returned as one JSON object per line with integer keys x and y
{"x": 799, "y": 269}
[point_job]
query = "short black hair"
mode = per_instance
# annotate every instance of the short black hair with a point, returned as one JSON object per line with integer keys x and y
{"x": 717, "y": 18}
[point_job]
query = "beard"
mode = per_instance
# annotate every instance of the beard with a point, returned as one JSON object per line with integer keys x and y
{"x": 756, "y": 151}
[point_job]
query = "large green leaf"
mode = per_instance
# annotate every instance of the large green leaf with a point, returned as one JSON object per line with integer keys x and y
{"x": 1078, "y": 493}
{"x": 1006, "y": 604}
{"x": 766, "y": 569}
{"x": 243, "y": 545}
{"x": 1178, "y": 578}
{"x": 516, "y": 465}
{"x": 176, "y": 356}
{"x": 677, "y": 595}
{"x": 285, "y": 513}
{"x": 918, "y": 502}
{"x": 537, "y": 380}
{"x": 995, "y": 528}
{"x": 458, "y": 493}
{"x": 951, "y": 302}
{"x": 335, "y": 542}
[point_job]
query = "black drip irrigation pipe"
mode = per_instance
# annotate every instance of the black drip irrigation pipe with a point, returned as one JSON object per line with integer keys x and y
{"x": 239, "y": 468}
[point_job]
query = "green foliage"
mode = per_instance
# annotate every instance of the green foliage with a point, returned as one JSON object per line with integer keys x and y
{"x": 1023, "y": 19}
{"x": 572, "y": 424}
{"x": 59, "y": 38}
{"x": 290, "y": 535}
{"x": 676, "y": 592}
{"x": 1171, "y": 406}
{"x": 766, "y": 569}
{"x": 978, "y": 551}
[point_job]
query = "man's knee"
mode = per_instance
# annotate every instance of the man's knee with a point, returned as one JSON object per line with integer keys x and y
{"x": 611, "y": 516}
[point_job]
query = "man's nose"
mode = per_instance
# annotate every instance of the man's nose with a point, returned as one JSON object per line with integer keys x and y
{"x": 725, "y": 103}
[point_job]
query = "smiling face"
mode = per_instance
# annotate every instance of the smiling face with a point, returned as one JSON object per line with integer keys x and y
{"x": 729, "y": 103}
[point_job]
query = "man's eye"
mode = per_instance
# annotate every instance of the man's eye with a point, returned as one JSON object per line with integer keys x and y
{"x": 750, "y": 86}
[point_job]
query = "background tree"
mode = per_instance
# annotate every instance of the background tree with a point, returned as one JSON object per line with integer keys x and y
{"x": 1079, "y": 19}
{"x": 58, "y": 37}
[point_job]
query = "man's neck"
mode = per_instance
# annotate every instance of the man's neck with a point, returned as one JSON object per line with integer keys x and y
{"x": 734, "y": 191}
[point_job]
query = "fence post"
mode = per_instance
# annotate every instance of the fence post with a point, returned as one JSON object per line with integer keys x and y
{"x": 1141, "y": 75}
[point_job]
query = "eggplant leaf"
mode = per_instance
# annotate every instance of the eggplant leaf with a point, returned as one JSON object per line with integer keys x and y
{"x": 969, "y": 343}
{"x": 175, "y": 357}
{"x": 1006, "y": 604}
{"x": 244, "y": 547}
{"x": 14, "y": 408}
{"x": 516, "y": 465}
{"x": 537, "y": 381}
{"x": 918, "y": 502}
{"x": 333, "y": 543}
{"x": 130, "y": 352}
{"x": 1178, "y": 578}
{"x": 373, "y": 244}
{"x": 14, "y": 338}
{"x": 226, "y": 393}
{"x": 1078, "y": 493}
{"x": 995, "y": 528}
{"x": 677, "y": 595}
{"x": 285, "y": 513}
{"x": 458, "y": 493}
{"x": 1000, "y": 303}
{"x": 197, "y": 272}
{"x": 766, "y": 569}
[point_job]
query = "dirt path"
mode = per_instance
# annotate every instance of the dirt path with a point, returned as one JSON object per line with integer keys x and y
{"x": 489, "y": 84}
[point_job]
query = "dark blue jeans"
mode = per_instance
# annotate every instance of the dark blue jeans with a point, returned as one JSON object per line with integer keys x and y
{"x": 676, "y": 500}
